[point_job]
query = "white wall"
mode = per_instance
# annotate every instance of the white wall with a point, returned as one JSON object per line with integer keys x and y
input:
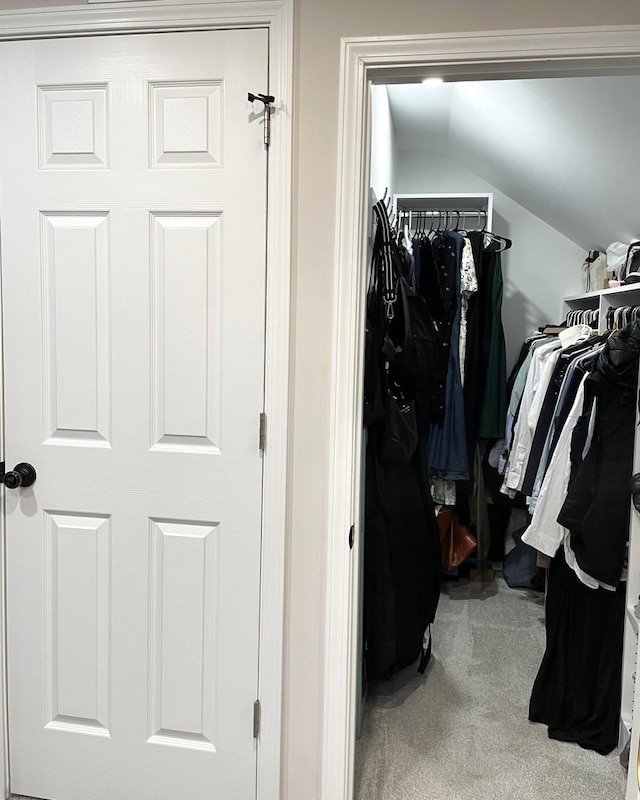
{"x": 319, "y": 28}
{"x": 383, "y": 146}
{"x": 540, "y": 142}
{"x": 540, "y": 269}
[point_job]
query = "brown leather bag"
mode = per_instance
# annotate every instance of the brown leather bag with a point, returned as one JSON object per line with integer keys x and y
{"x": 457, "y": 541}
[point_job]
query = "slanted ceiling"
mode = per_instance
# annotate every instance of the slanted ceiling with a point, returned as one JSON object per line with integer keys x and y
{"x": 567, "y": 149}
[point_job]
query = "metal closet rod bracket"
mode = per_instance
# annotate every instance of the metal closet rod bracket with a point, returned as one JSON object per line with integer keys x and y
{"x": 267, "y": 100}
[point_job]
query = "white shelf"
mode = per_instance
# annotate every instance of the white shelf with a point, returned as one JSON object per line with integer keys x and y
{"x": 604, "y": 300}
{"x": 579, "y": 298}
{"x": 469, "y": 201}
{"x": 595, "y": 296}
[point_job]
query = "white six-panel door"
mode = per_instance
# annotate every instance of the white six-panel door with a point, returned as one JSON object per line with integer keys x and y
{"x": 132, "y": 212}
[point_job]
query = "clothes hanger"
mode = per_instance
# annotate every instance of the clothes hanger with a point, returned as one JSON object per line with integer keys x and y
{"x": 504, "y": 243}
{"x": 389, "y": 293}
{"x": 430, "y": 223}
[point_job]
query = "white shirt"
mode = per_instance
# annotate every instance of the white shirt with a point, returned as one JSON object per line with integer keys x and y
{"x": 545, "y": 532}
{"x": 468, "y": 285}
{"x": 538, "y": 379}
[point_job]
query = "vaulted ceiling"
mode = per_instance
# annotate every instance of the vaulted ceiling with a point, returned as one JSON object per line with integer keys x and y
{"x": 567, "y": 149}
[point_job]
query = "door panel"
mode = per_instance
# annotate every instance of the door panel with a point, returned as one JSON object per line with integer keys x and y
{"x": 131, "y": 172}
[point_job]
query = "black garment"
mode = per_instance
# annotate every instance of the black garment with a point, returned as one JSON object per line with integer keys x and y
{"x": 562, "y": 413}
{"x": 487, "y": 271}
{"x": 446, "y": 250}
{"x": 596, "y": 510}
{"x": 493, "y": 411}
{"x": 417, "y": 264}
{"x": 401, "y": 562}
{"x": 499, "y": 511}
{"x": 429, "y": 285}
{"x": 429, "y": 288}
{"x": 578, "y": 688}
{"x": 401, "y": 543}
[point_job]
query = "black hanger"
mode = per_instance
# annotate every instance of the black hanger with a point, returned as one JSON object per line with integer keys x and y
{"x": 389, "y": 292}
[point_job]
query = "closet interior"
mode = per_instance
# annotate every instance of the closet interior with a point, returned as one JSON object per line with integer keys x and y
{"x": 500, "y": 560}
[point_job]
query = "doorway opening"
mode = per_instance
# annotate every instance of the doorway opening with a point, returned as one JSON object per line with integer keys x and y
{"x": 539, "y": 151}
{"x": 478, "y": 619}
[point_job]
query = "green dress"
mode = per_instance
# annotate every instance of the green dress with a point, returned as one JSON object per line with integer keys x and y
{"x": 494, "y": 398}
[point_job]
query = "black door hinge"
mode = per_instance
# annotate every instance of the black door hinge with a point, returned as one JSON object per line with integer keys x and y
{"x": 352, "y": 536}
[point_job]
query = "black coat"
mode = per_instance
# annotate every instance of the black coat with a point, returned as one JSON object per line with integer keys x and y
{"x": 596, "y": 510}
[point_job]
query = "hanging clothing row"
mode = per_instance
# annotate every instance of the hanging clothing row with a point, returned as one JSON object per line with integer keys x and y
{"x": 435, "y": 383}
{"x": 589, "y": 317}
{"x": 404, "y": 380}
{"x": 568, "y": 448}
{"x": 460, "y": 276}
{"x": 416, "y": 221}
{"x": 620, "y": 317}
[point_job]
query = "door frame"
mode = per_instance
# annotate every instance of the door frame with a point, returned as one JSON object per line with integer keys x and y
{"x": 198, "y": 15}
{"x": 558, "y": 52}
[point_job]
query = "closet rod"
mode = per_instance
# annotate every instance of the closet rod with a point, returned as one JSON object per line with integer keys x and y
{"x": 435, "y": 213}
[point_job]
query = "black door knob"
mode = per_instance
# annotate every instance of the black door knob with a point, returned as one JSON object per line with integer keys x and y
{"x": 22, "y": 475}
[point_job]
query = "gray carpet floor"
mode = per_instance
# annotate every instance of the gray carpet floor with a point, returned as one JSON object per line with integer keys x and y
{"x": 461, "y": 731}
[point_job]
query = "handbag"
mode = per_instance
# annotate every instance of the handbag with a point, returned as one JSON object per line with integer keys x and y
{"x": 457, "y": 541}
{"x": 420, "y": 365}
{"x": 632, "y": 263}
{"x": 594, "y": 272}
